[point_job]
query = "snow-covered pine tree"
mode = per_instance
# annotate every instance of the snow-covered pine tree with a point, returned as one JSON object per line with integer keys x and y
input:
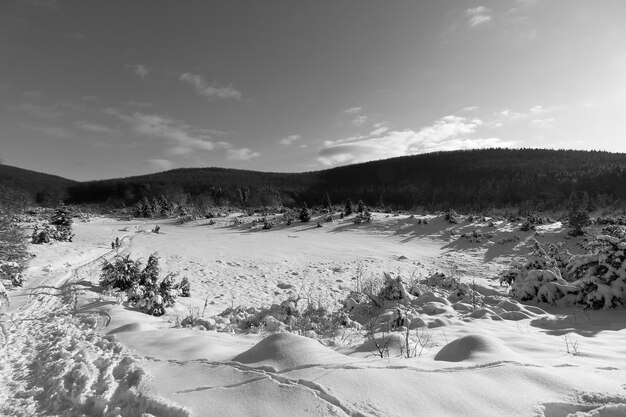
{"x": 305, "y": 214}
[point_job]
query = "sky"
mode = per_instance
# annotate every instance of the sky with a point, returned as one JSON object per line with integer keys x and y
{"x": 104, "y": 89}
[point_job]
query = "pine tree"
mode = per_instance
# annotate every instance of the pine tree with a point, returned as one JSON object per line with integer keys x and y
{"x": 360, "y": 206}
{"x": 348, "y": 208}
{"x": 62, "y": 222}
{"x": 150, "y": 274}
{"x": 305, "y": 215}
{"x": 165, "y": 207}
{"x": 62, "y": 216}
{"x": 327, "y": 203}
{"x": 577, "y": 214}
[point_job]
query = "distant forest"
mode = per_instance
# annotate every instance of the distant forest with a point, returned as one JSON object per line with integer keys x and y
{"x": 465, "y": 180}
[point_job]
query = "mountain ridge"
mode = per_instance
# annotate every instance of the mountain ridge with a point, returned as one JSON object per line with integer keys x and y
{"x": 460, "y": 179}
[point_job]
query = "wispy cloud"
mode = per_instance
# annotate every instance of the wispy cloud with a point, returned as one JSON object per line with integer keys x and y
{"x": 159, "y": 164}
{"x": 353, "y": 110}
{"x": 543, "y": 123}
{"x": 52, "y": 131}
{"x": 356, "y": 118}
{"x": 182, "y": 139}
{"x": 359, "y": 120}
{"x": 213, "y": 90}
{"x": 32, "y": 95}
{"x": 289, "y": 140}
{"x": 40, "y": 111}
{"x": 447, "y": 133}
{"x": 140, "y": 70}
{"x": 242, "y": 154}
{"x": 508, "y": 115}
{"x": 477, "y": 16}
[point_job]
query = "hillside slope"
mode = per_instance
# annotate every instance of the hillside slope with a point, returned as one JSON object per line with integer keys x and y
{"x": 539, "y": 179}
{"x": 37, "y": 186}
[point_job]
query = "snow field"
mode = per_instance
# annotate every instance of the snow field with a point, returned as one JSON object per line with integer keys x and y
{"x": 497, "y": 357}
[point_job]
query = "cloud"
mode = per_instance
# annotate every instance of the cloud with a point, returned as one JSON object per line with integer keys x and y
{"x": 478, "y": 15}
{"x": 542, "y": 123}
{"x": 38, "y": 110}
{"x": 182, "y": 138}
{"x": 537, "y": 109}
{"x": 54, "y": 131}
{"x": 242, "y": 154}
{"x": 210, "y": 90}
{"x": 359, "y": 120}
{"x": 32, "y": 95}
{"x": 159, "y": 164}
{"x": 508, "y": 115}
{"x": 140, "y": 70}
{"x": 379, "y": 129}
{"x": 469, "y": 108}
{"x": 353, "y": 110}
{"x": 290, "y": 140}
{"x": 447, "y": 133}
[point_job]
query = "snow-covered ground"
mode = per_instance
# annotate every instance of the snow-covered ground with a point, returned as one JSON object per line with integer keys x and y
{"x": 68, "y": 348}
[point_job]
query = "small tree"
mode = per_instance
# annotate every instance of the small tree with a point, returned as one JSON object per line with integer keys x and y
{"x": 348, "y": 210}
{"x": 165, "y": 207}
{"x": 59, "y": 228}
{"x": 305, "y": 215}
{"x": 360, "y": 206}
{"x": 578, "y": 219}
{"x": 328, "y": 205}
{"x": 578, "y": 215}
{"x": 62, "y": 216}
{"x": 150, "y": 274}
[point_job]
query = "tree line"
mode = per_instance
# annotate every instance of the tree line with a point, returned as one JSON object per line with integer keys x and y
{"x": 535, "y": 179}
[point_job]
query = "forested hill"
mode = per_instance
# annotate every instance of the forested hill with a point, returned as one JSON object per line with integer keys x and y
{"x": 475, "y": 179}
{"x": 30, "y": 186}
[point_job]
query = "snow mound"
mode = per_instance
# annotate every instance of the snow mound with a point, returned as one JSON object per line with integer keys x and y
{"x": 474, "y": 347}
{"x": 132, "y": 327}
{"x": 393, "y": 342}
{"x": 282, "y": 351}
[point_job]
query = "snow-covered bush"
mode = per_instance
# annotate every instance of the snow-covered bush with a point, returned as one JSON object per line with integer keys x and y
{"x": 364, "y": 217}
{"x": 477, "y": 236}
{"x": 601, "y": 277}
{"x": 452, "y": 217}
{"x": 59, "y": 228}
{"x": 617, "y": 231}
{"x": 13, "y": 255}
{"x": 141, "y": 285}
{"x": 596, "y": 280}
{"x": 510, "y": 239}
{"x": 539, "y": 278}
{"x": 305, "y": 214}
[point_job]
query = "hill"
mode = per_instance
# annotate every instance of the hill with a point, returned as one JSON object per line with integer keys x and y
{"x": 475, "y": 179}
{"x": 33, "y": 186}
